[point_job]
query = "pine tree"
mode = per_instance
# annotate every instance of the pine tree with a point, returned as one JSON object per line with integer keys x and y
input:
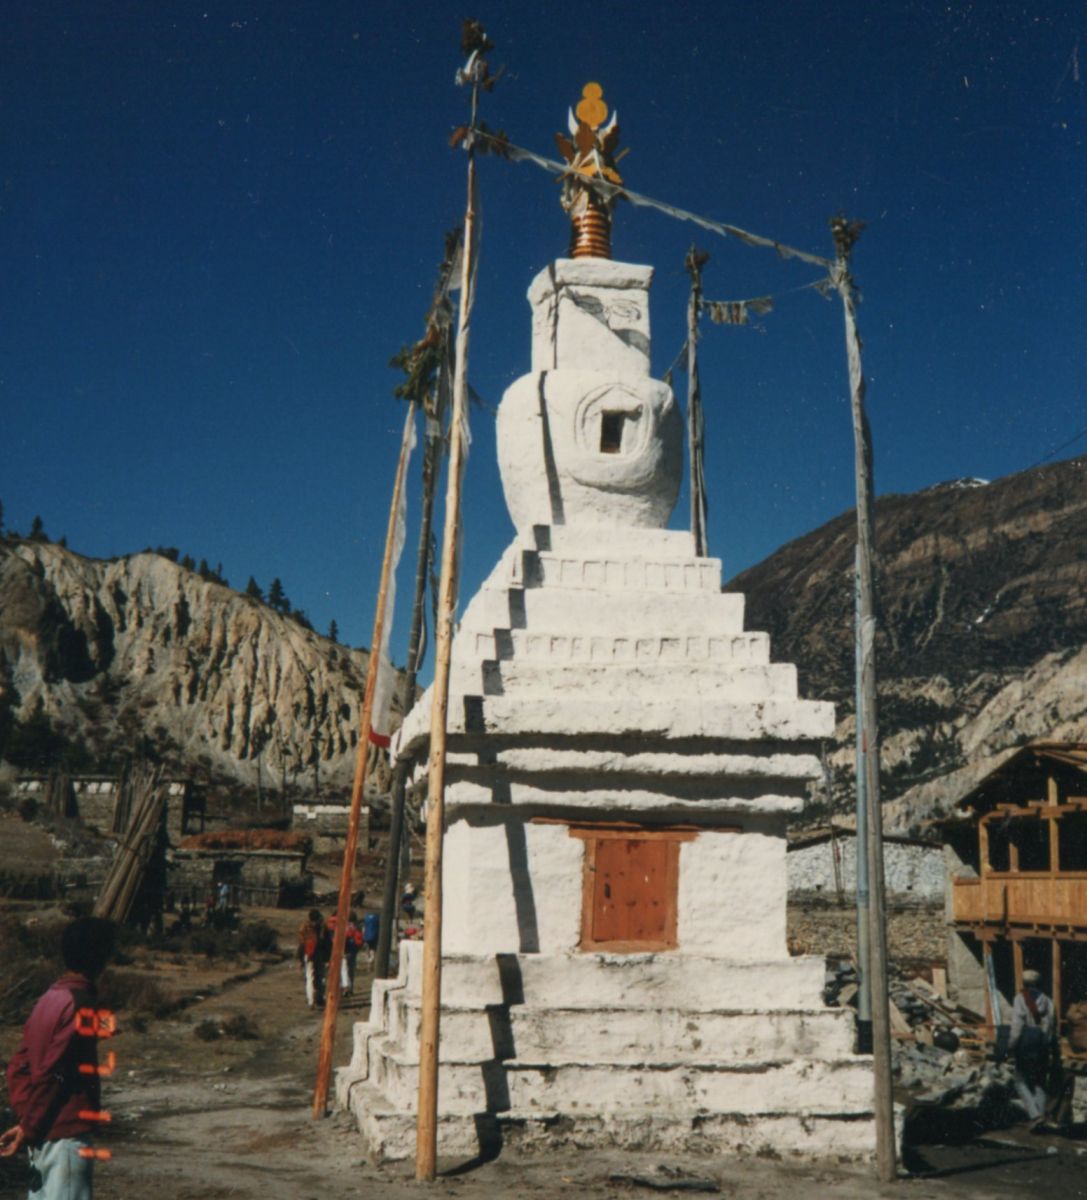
{"x": 202, "y": 569}
{"x": 277, "y": 597}
{"x": 188, "y": 562}
{"x": 37, "y": 531}
{"x": 333, "y": 631}
{"x": 252, "y": 588}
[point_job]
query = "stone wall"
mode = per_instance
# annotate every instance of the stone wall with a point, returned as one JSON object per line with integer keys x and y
{"x": 94, "y": 799}
{"x": 255, "y": 876}
{"x": 912, "y": 870}
{"x": 326, "y": 826}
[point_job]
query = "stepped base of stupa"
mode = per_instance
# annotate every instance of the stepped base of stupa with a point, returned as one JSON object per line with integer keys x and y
{"x": 630, "y": 1051}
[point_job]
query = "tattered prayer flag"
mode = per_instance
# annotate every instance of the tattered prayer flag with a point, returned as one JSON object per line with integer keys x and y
{"x": 737, "y": 312}
{"x": 381, "y": 715}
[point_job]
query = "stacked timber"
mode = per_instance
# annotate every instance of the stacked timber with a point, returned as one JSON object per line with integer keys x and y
{"x": 146, "y": 800}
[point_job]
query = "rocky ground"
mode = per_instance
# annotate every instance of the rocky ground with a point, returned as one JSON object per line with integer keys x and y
{"x": 198, "y": 1119}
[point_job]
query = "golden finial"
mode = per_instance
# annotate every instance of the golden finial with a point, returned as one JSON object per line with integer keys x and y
{"x": 592, "y": 110}
{"x": 590, "y": 152}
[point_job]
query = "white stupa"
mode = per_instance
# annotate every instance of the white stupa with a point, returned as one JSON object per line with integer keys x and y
{"x": 623, "y": 759}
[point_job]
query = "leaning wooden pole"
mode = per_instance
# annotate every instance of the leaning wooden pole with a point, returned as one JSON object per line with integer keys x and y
{"x": 343, "y": 907}
{"x": 426, "y": 1134}
{"x": 696, "y": 260}
{"x": 845, "y": 235}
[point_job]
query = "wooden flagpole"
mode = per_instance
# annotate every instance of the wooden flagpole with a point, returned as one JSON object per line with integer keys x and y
{"x": 426, "y": 1133}
{"x": 696, "y": 260}
{"x": 343, "y": 908}
{"x": 845, "y": 236}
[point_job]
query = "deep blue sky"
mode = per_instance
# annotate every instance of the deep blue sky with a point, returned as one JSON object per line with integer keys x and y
{"x": 219, "y": 221}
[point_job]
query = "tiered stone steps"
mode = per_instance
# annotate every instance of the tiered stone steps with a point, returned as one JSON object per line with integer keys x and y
{"x": 621, "y": 633}
{"x": 532, "y": 1042}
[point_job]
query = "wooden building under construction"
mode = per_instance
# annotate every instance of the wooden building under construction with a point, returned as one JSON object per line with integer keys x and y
{"x": 1017, "y": 895}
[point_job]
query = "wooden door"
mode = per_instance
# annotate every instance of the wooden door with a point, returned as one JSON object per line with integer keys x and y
{"x": 629, "y": 897}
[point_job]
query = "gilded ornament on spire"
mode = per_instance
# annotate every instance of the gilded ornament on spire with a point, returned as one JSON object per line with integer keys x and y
{"x": 590, "y": 153}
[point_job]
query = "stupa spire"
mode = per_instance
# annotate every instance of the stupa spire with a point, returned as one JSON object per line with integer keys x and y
{"x": 590, "y": 151}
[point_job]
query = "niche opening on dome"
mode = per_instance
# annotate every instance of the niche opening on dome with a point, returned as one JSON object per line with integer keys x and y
{"x": 611, "y": 432}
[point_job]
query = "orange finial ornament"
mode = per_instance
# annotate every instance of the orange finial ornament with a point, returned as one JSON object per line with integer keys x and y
{"x": 590, "y": 152}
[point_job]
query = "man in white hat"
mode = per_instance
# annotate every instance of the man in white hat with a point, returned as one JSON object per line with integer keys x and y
{"x": 1031, "y": 1042}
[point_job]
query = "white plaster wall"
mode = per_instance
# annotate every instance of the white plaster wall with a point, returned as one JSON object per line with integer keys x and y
{"x": 589, "y": 982}
{"x": 493, "y": 907}
{"x": 678, "y": 795}
{"x": 591, "y": 312}
{"x": 915, "y": 872}
{"x": 553, "y": 471}
{"x": 732, "y": 895}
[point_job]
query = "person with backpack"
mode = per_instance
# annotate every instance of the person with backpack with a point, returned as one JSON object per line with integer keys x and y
{"x": 313, "y": 952}
{"x": 371, "y": 928}
{"x": 1032, "y": 1042}
{"x": 54, "y": 1080}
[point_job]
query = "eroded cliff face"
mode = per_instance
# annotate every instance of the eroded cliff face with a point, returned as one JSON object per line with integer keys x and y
{"x": 983, "y": 628}
{"x": 143, "y": 648}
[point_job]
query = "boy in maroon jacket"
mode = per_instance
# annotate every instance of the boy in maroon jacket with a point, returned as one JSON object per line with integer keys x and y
{"x": 53, "y": 1078}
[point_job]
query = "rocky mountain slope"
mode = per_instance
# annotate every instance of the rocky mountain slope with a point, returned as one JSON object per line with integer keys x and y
{"x": 982, "y": 642}
{"x": 140, "y": 653}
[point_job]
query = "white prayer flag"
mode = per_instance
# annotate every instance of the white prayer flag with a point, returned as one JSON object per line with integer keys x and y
{"x": 381, "y": 714}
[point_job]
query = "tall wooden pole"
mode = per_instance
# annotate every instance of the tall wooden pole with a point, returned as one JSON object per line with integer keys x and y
{"x": 696, "y": 260}
{"x": 845, "y": 236}
{"x": 426, "y": 1134}
{"x": 343, "y": 908}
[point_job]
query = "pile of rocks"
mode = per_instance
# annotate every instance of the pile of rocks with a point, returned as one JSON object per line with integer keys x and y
{"x": 951, "y": 1079}
{"x": 939, "y": 1056}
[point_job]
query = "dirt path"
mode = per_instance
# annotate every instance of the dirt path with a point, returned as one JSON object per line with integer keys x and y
{"x": 198, "y": 1120}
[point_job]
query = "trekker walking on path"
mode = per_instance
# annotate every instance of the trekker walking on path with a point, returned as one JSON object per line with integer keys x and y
{"x": 345, "y": 978}
{"x": 313, "y": 944}
{"x": 351, "y": 946}
{"x": 1032, "y": 1043}
{"x": 53, "y": 1078}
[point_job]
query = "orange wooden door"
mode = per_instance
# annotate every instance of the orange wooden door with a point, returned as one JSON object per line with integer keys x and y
{"x": 632, "y": 900}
